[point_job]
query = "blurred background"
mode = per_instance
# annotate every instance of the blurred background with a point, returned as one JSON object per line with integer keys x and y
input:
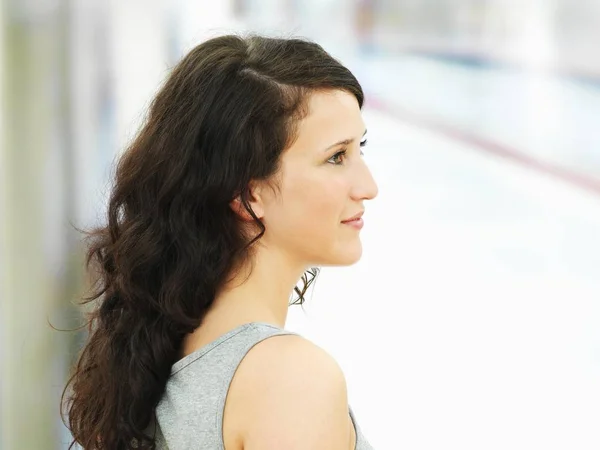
{"x": 479, "y": 286}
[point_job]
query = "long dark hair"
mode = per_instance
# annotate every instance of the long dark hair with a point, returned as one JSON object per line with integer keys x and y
{"x": 222, "y": 118}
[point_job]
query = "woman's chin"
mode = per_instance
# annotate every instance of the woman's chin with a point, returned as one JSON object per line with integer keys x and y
{"x": 347, "y": 257}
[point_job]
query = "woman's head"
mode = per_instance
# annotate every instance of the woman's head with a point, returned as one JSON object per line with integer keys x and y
{"x": 238, "y": 148}
{"x": 322, "y": 181}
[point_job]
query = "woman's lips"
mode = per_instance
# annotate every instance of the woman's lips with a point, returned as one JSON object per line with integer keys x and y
{"x": 356, "y": 223}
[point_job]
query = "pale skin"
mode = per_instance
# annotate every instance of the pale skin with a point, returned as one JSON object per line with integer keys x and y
{"x": 288, "y": 392}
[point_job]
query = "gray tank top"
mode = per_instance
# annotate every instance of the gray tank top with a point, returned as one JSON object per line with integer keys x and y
{"x": 190, "y": 413}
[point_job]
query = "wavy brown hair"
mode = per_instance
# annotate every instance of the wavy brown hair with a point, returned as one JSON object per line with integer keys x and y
{"x": 222, "y": 118}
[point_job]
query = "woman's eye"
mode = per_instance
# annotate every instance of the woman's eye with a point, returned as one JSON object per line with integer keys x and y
{"x": 363, "y": 143}
{"x": 335, "y": 159}
{"x": 338, "y": 158}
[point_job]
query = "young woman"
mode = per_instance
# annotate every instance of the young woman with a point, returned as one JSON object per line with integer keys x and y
{"x": 247, "y": 175}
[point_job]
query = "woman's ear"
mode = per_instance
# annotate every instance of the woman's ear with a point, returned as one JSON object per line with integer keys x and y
{"x": 238, "y": 208}
{"x": 255, "y": 202}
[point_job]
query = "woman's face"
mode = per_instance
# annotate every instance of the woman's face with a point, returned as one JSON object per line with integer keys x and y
{"x": 323, "y": 181}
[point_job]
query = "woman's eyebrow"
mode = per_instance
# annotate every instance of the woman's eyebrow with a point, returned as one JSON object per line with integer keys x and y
{"x": 344, "y": 142}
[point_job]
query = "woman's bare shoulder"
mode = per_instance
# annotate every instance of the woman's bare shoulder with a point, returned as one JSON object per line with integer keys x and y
{"x": 290, "y": 393}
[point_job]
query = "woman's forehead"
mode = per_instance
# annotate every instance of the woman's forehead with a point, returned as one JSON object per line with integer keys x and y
{"x": 332, "y": 116}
